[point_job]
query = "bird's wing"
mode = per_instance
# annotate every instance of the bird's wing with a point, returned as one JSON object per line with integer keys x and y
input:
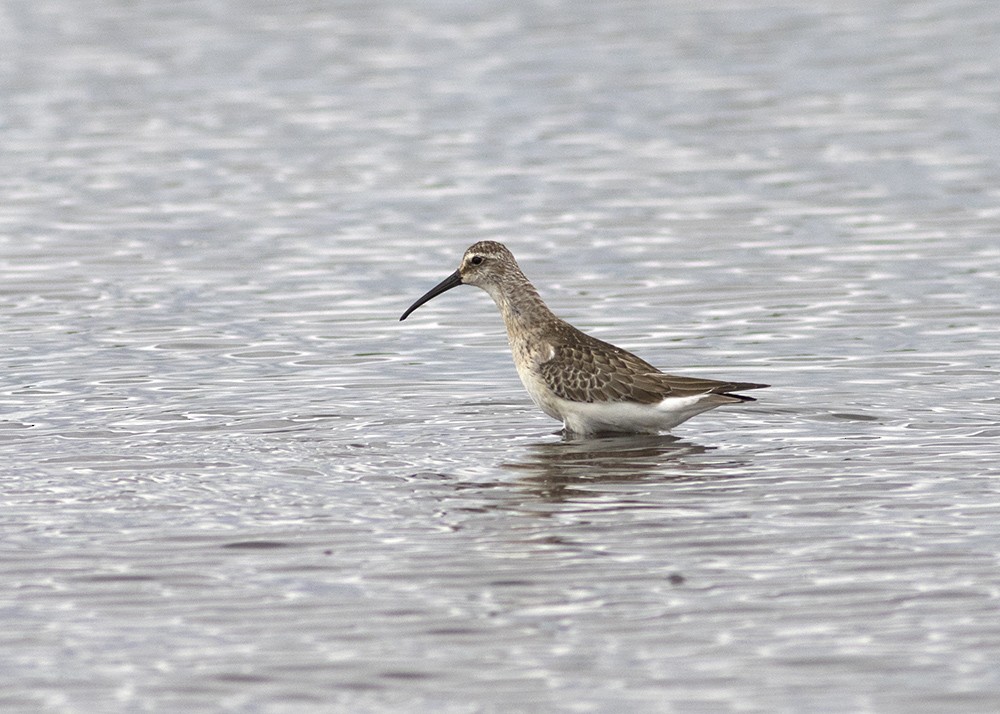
{"x": 581, "y": 368}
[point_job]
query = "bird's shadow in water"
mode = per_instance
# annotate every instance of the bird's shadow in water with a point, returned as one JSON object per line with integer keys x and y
{"x": 561, "y": 469}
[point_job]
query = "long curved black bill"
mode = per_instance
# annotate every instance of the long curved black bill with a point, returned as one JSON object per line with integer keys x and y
{"x": 452, "y": 281}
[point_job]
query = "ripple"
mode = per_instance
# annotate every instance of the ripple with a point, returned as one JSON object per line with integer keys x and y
{"x": 233, "y": 475}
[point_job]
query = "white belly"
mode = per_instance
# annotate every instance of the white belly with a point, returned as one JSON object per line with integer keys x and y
{"x": 629, "y": 417}
{"x": 632, "y": 417}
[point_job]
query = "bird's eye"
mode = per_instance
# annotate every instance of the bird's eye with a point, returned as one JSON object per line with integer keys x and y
{"x": 476, "y": 260}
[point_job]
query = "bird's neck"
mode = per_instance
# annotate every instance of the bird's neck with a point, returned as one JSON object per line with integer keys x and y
{"x": 520, "y": 305}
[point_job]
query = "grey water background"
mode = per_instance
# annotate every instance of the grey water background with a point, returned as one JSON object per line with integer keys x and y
{"x": 232, "y": 481}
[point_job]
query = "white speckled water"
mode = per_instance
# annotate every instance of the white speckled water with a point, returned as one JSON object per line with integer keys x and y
{"x": 232, "y": 481}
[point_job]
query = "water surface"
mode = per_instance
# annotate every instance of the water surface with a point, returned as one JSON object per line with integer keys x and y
{"x": 233, "y": 481}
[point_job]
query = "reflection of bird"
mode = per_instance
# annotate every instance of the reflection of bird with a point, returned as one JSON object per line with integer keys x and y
{"x": 613, "y": 458}
{"x": 588, "y": 384}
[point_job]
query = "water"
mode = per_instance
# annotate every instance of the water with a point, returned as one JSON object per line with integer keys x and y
{"x": 232, "y": 481}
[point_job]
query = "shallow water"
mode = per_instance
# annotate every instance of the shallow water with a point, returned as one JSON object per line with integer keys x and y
{"x": 233, "y": 481}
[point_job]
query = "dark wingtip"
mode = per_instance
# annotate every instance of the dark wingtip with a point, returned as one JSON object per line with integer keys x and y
{"x": 742, "y": 386}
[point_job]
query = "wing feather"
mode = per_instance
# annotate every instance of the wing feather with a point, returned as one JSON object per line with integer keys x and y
{"x": 585, "y": 369}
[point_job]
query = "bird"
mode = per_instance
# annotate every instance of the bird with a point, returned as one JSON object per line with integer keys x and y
{"x": 593, "y": 387}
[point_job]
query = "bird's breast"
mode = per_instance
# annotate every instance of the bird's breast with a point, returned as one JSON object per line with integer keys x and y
{"x": 528, "y": 355}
